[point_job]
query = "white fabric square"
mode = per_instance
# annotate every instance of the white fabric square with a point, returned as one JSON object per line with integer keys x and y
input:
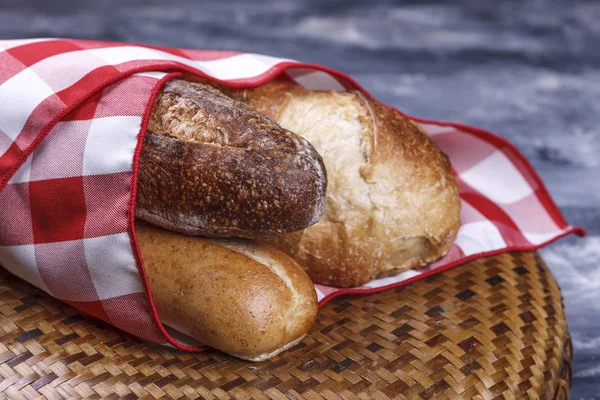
{"x": 320, "y": 294}
{"x": 531, "y": 217}
{"x": 319, "y": 80}
{"x": 67, "y": 138}
{"x": 497, "y": 178}
{"x": 479, "y": 237}
{"x": 152, "y": 74}
{"x": 224, "y": 69}
{"x": 63, "y": 70}
{"x": 9, "y": 44}
{"x": 22, "y": 175}
{"x": 539, "y": 238}
{"x": 19, "y": 96}
{"x": 5, "y": 143}
{"x": 229, "y": 68}
{"x": 116, "y": 136}
{"x": 377, "y": 283}
{"x": 112, "y": 265}
{"x": 20, "y": 260}
{"x": 434, "y": 130}
{"x": 122, "y": 54}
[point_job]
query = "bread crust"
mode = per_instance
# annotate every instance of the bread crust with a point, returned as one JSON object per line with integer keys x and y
{"x": 210, "y": 166}
{"x": 392, "y": 200}
{"x": 243, "y": 298}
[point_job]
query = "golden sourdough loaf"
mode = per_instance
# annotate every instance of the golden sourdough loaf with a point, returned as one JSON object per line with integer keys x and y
{"x": 392, "y": 201}
{"x": 244, "y": 298}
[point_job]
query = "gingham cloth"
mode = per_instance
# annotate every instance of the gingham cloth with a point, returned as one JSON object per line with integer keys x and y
{"x": 72, "y": 120}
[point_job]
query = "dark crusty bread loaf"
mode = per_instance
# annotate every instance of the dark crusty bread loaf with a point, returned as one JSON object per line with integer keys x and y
{"x": 210, "y": 166}
{"x": 246, "y": 299}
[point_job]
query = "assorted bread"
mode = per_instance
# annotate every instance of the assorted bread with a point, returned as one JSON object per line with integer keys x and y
{"x": 338, "y": 189}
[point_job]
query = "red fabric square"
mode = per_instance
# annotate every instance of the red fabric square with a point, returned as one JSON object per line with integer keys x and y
{"x": 107, "y": 201}
{"x": 37, "y": 121}
{"x": 64, "y": 270}
{"x": 93, "y": 308}
{"x": 57, "y": 209}
{"x": 15, "y": 219}
{"x": 35, "y": 52}
{"x": 93, "y": 44}
{"x": 9, "y": 158}
{"x": 132, "y": 314}
{"x": 141, "y": 65}
{"x": 128, "y": 98}
{"x": 10, "y": 66}
{"x": 90, "y": 82}
{"x": 86, "y": 110}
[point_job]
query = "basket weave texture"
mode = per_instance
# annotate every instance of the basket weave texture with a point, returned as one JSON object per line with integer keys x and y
{"x": 493, "y": 328}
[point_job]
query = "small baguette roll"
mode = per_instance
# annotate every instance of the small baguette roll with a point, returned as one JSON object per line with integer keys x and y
{"x": 246, "y": 299}
{"x": 210, "y": 166}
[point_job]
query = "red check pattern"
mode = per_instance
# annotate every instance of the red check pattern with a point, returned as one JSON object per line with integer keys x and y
{"x": 71, "y": 126}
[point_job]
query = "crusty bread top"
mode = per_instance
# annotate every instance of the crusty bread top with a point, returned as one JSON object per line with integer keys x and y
{"x": 392, "y": 200}
{"x": 211, "y": 166}
{"x": 194, "y": 112}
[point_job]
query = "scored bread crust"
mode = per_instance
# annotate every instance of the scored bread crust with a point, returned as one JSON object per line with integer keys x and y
{"x": 244, "y": 298}
{"x": 210, "y": 166}
{"x": 392, "y": 200}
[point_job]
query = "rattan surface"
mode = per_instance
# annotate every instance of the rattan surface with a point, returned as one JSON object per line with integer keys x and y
{"x": 491, "y": 329}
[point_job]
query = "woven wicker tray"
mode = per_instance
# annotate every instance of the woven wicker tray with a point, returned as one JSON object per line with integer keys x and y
{"x": 494, "y": 328}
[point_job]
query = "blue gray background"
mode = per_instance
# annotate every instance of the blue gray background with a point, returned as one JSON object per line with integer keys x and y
{"x": 527, "y": 70}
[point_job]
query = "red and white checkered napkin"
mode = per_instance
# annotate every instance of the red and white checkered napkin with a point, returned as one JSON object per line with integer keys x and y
{"x": 72, "y": 120}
